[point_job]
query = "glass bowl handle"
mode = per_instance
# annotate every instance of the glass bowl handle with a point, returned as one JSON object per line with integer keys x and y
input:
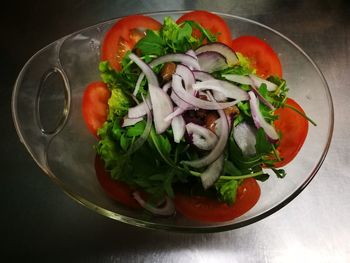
{"x": 41, "y": 101}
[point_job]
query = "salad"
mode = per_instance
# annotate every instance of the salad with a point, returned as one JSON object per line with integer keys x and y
{"x": 188, "y": 118}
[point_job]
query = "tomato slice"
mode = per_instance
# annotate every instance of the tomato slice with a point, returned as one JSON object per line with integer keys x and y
{"x": 293, "y": 128}
{"x": 204, "y": 209}
{"x": 209, "y": 21}
{"x": 95, "y": 105}
{"x": 123, "y": 36}
{"x": 116, "y": 190}
{"x": 260, "y": 54}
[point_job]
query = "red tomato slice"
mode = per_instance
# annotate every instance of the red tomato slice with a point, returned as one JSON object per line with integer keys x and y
{"x": 293, "y": 128}
{"x": 204, "y": 209}
{"x": 116, "y": 190}
{"x": 124, "y": 35}
{"x": 209, "y": 21}
{"x": 261, "y": 55}
{"x": 95, "y": 105}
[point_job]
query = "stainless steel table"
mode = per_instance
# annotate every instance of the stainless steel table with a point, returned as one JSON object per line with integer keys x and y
{"x": 40, "y": 223}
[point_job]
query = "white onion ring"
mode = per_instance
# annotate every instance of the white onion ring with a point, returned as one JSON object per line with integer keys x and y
{"x": 202, "y": 137}
{"x": 248, "y": 80}
{"x": 185, "y": 59}
{"x": 202, "y": 75}
{"x": 228, "y": 89}
{"x": 245, "y": 137}
{"x": 194, "y": 101}
{"x": 140, "y": 109}
{"x": 178, "y": 127}
{"x": 141, "y": 140}
{"x": 167, "y": 210}
{"x": 130, "y": 121}
{"x": 161, "y": 102}
{"x": 259, "y": 119}
{"x": 245, "y": 80}
{"x": 212, "y": 173}
{"x": 221, "y": 48}
{"x": 258, "y": 81}
{"x": 219, "y": 147}
{"x": 188, "y": 77}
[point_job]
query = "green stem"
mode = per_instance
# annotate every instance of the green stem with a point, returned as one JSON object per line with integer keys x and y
{"x": 169, "y": 162}
{"x": 195, "y": 173}
{"x": 275, "y": 152}
{"x": 245, "y": 176}
{"x": 279, "y": 88}
{"x": 301, "y": 113}
{"x": 159, "y": 150}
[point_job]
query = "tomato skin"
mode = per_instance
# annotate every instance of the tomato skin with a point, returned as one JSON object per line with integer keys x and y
{"x": 261, "y": 55}
{"x": 293, "y": 128}
{"x": 209, "y": 21}
{"x": 204, "y": 209}
{"x": 116, "y": 190}
{"x": 95, "y": 105}
{"x": 122, "y": 37}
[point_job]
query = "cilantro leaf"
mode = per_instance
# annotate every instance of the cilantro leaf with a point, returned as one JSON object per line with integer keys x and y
{"x": 262, "y": 146}
{"x": 227, "y": 190}
{"x": 152, "y": 44}
{"x": 136, "y": 130}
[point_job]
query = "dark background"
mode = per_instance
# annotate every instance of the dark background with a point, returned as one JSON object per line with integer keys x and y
{"x": 38, "y": 222}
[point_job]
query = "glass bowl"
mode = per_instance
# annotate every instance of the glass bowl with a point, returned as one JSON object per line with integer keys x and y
{"x": 46, "y": 108}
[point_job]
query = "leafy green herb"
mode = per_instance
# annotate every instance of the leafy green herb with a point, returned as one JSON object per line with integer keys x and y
{"x": 262, "y": 146}
{"x": 227, "y": 190}
{"x": 157, "y": 165}
{"x": 245, "y": 62}
{"x": 118, "y": 104}
{"x": 173, "y": 38}
{"x": 136, "y": 130}
{"x": 152, "y": 44}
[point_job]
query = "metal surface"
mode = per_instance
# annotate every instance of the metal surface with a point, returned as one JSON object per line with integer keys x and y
{"x": 40, "y": 223}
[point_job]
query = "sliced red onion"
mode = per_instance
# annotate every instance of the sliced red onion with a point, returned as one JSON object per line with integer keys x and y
{"x": 161, "y": 102}
{"x": 202, "y": 75}
{"x": 162, "y": 107}
{"x": 218, "y": 96}
{"x": 261, "y": 98}
{"x": 221, "y": 48}
{"x": 166, "y": 86}
{"x": 143, "y": 138}
{"x": 138, "y": 84}
{"x": 228, "y": 89}
{"x": 166, "y": 210}
{"x": 219, "y": 147}
{"x": 211, "y": 61}
{"x": 194, "y": 101}
{"x": 245, "y": 80}
{"x": 146, "y": 69}
{"x": 180, "y": 102}
{"x": 181, "y": 58}
{"x": 185, "y": 59}
{"x": 258, "y": 81}
{"x": 178, "y": 111}
{"x": 259, "y": 120}
{"x": 191, "y": 53}
{"x": 202, "y": 138}
{"x": 187, "y": 76}
{"x": 178, "y": 127}
{"x": 212, "y": 173}
{"x": 245, "y": 137}
{"x": 129, "y": 121}
{"x": 140, "y": 109}
{"x": 249, "y": 81}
